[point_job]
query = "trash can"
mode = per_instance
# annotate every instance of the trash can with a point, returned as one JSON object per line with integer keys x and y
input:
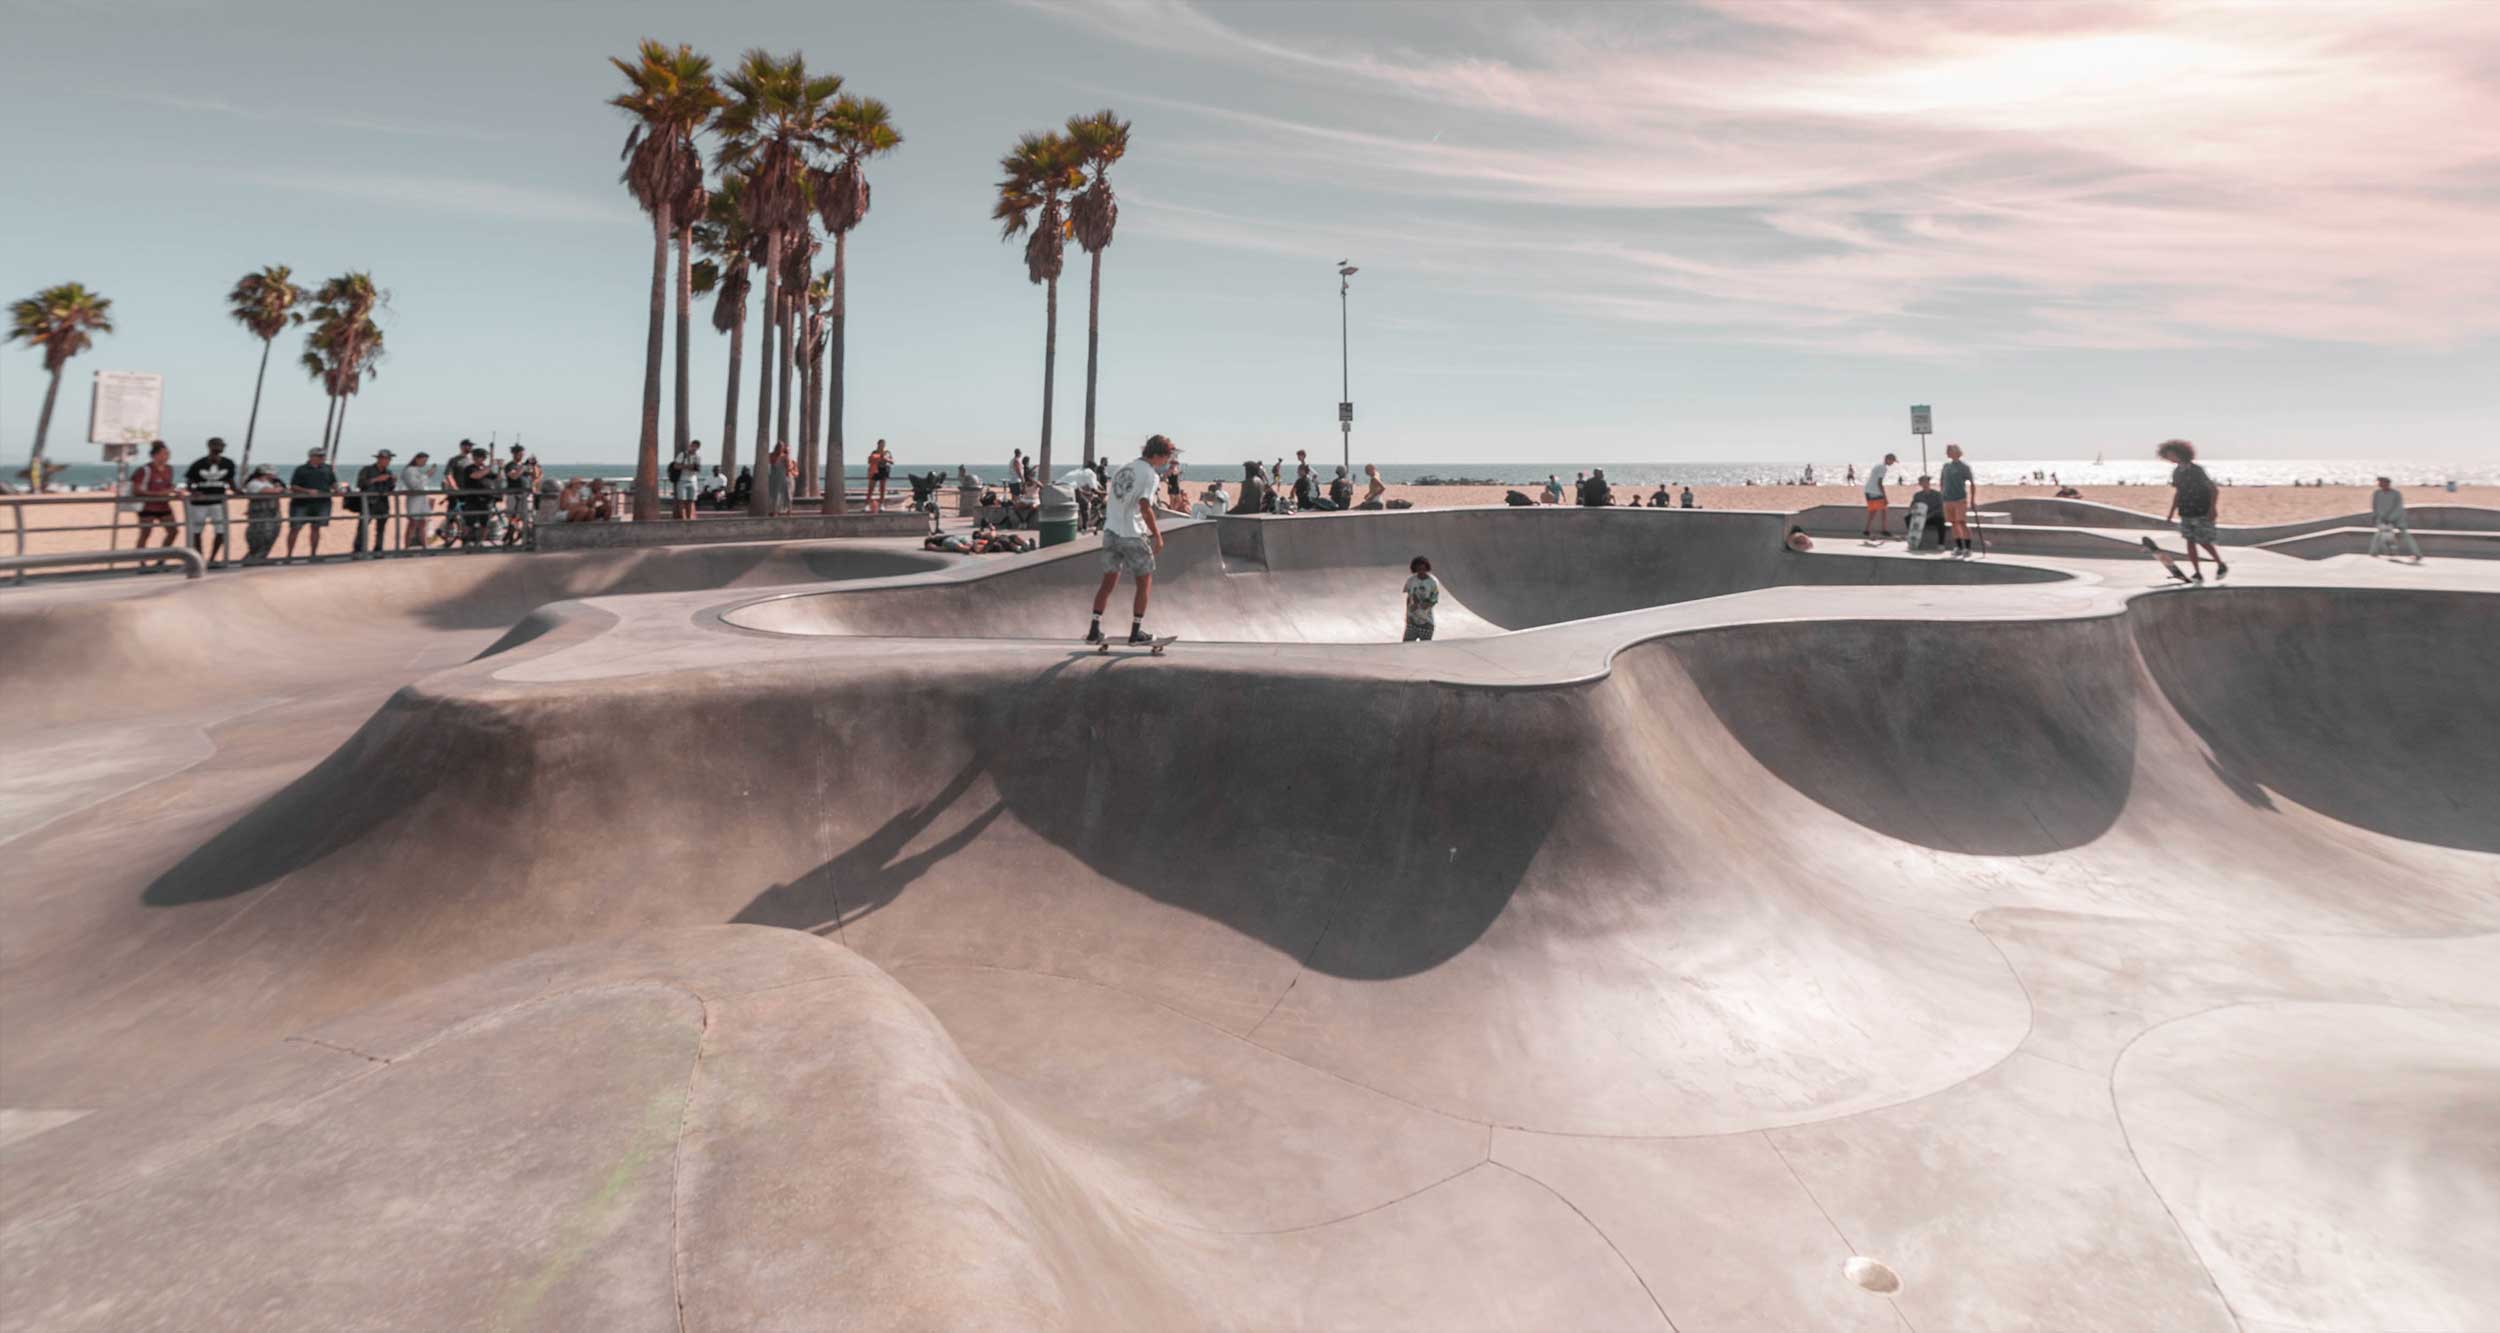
{"x": 1058, "y": 516}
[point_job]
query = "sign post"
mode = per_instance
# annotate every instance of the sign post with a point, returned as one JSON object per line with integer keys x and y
{"x": 1922, "y": 425}
{"x": 125, "y": 410}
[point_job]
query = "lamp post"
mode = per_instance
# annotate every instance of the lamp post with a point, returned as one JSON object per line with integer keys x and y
{"x": 1345, "y": 368}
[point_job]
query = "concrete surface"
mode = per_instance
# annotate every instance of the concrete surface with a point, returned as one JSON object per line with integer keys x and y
{"x": 675, "y": 938}
{"x": 730, "y": 528}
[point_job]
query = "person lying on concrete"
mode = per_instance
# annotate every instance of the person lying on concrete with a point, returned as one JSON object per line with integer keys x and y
{"x": 2194, "y": 501}
{"x": 1131, "y": 537}
{"x": 1423, "y": 593}
{"x": 2387, "y": 513}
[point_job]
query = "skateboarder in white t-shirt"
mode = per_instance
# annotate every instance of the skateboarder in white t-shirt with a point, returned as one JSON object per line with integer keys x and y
{"x": 1131, "y": 537}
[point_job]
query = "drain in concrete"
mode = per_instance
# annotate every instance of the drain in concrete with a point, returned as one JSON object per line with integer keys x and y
{"x": 1872, "y": 1274}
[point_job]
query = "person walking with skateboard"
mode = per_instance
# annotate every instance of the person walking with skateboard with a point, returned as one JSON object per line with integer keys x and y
{"x": 2193, "y": 501}
{"x": 1131, "y": 537}
{"x": 1959, "y": 491}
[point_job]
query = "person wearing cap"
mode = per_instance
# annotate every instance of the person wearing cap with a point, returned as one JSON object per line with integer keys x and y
{"x": 374, "y": 484}
{"x": 260, "y": 514}
{"x": 205, "y": 485}
{"x": 1131, "y": 537}
{"x": 312, "y": 485}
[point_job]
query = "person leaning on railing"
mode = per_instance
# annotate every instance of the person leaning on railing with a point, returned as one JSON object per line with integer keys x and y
{"x": 374, "y": 484}
{"x": 260, "y": 527}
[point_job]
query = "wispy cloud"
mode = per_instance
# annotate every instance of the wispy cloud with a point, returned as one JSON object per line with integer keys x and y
{"x": 465, "y": 196}
{"x": 323, "y": 119}
{"x": 1905, "y": 177}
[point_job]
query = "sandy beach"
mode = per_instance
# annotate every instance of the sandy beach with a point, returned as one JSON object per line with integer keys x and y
{"x": 2240, "y": 505}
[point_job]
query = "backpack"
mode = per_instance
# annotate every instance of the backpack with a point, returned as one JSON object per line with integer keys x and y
{"x": 676, "y": 470}
{"x": 1517, "y": 498}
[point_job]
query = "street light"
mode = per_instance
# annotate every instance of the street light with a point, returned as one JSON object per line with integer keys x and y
{"x": 1345, "y": 367}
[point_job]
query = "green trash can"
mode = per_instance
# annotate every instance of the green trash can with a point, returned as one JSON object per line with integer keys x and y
{"x": 1058, "y": 517}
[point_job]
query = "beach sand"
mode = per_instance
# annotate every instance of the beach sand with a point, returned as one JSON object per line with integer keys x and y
{"x": 2241, "y": 505}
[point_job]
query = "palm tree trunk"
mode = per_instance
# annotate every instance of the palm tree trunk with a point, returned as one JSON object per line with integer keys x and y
{"x": 1050, "y": 375}
{"x": 729, "y": 423}
{"x": 252, "y": 423}
{"x": 328, "y": 416}
{"x": 43, "y": 426}
{"x": 807, "y": 417}
{"x": 338, "y": 437}
{"x": 787, "y": 351}
{"x": 759, "y": 501}
{"x": 647, "y": 454}
{"x": 1093, "y": 349}
{"x": 838, "y": 467}
{"x": 685, "y": 339}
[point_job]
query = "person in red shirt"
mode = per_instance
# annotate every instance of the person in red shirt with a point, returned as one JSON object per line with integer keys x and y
{"x": 153, "y": 486}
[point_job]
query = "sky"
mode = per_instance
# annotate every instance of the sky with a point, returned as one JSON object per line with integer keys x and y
{"x": 1725, "y": 230}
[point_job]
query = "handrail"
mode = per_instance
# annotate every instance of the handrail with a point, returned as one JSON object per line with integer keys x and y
{"x": 192, "y": 564}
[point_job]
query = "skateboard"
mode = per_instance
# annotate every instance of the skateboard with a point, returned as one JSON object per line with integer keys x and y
{"x": 1153, "y": 648}
{"x": 2169, "y": 563}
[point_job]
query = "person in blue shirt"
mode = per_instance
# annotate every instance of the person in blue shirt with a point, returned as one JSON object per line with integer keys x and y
{"x": 1960, "y": 492}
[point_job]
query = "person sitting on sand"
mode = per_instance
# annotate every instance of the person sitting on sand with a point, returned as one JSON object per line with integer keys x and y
{"x": 1375, "y": 491}
{"x": 2387, "y": 513}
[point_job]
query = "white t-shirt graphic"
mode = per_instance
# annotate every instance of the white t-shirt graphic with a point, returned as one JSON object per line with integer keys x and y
{"x": 1131, "y": 482}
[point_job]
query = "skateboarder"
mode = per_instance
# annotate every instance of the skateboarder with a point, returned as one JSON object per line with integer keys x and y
{"x": 1876, "y": 500}
{"x": 1423, "y": 592}
{"x": 2387, "y": 513}
{"x": 1959, "y": 492}
{"x": 2194, "y": 502}
{"x": 1131, "y": 538}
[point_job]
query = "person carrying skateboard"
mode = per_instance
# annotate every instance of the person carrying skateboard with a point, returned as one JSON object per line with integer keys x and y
{"x": 1131, "y": 537}
{"x": 2194, "y": 502}
{"x": 1877, "y": 501}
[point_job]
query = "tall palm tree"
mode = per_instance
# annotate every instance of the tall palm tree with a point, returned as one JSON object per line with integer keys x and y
{"x": 811, "y": 377}
{"x": 798, "y": 277}
{"x": 1037, "y": 176}
{"x": 856, "y": 129}
{"x": 351, "y": 356}
{"x": 342, "y": 314}
{"x": 670, "y": 95}
{"x": 266, "y": 303}
{"x": 728, "y": 266}
{"x": 1101, "y": 139}
{"x": 775, "y": 115}
{"x": 690, "y": 207}
{"x": 63, "y": 321}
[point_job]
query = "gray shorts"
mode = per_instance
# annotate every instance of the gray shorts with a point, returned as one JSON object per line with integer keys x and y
{"x": 683, "y": 489}
{"x": 1418, "y": 633}
{"x": 1127, "y": 555}
{"x": 2199, "y": 528}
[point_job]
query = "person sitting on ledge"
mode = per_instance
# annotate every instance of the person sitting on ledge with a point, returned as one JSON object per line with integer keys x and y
{"x": 1341, "y": 490}
{"x": 1253, "y": 490}
{"x": 1375, "y": 491}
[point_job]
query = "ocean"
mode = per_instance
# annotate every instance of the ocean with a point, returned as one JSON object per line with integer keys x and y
{"x": 2073, "y": 471}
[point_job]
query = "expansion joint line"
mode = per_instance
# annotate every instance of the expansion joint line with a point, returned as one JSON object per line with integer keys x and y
{"x": 1600, "y": 1233}
{"x": 677, "y": 1170}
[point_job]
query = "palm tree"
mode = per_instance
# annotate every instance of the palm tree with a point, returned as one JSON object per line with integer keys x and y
{"x": 352, "y": 361}
{"x": 774, "y": 117}
{"x": 690, "y": 206}
{"x": 857, "y": 128}
{"x": 670, "y": 95}
{"x": 265, "y": 303}
{"x": 729, "y": 250}
{"x": 63, "y": 321}
{"x": 798, "y": 278}
{"x": 342, "y": 313}
{"x": 1038, "y": 175}
{"x": 812, "y": 375}
{"x": 1101, "y": 139}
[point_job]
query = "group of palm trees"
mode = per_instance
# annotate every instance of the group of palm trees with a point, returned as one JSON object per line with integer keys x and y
{"x": 340, "y": 352}
{"x": 790, "y": 154}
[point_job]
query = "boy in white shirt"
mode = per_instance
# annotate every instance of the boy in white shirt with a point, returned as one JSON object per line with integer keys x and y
{"x": 1131, "y": 537}
{"x": 1423, "y": 593}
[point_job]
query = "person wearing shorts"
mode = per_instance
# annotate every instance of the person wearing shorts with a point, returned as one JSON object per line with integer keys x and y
{"x": 312, "y": 486}
{"x": 880, "y": 470}
{"x": 1876, "y": 500}
{"x": 153, "y": 487}
{"x": 2194, "y": 501}
{"x": 374, "y": 483}
{"x": 1423, "y": 593}
{"x": 1131, "y": 537}
{"x": 418, "y": 481}
{"x": 687, "y": 472}
{"x": 205, "y": 486}
{"x": 520, "y": 482}
{"x": 1959, "y": 491}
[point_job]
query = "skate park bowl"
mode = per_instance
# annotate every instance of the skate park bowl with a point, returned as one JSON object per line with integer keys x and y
{"x": 1724, "y": 938}
{"x": 1321, "y": 578}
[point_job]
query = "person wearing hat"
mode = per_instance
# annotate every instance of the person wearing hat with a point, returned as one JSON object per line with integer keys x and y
{"x": 1130, "y": 535}
{"x": 314, "y": 482}
{"x": 374, "y": 484}
{"x": 260, "y": 516}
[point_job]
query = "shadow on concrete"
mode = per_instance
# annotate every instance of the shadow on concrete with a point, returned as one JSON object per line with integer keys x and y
{"x": 2007, "y": 738}
{"x": 2376, "y": 707}
{"x": 873, "y": 872}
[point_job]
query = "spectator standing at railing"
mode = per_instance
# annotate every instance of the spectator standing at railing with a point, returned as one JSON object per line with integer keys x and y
{"x": 153, "y": 487}
{"x": 778, "y": 479}
{"x": 260, "y": 524}
{"x": 312, "y": 486}
{"x": 416, "y": 479}
{"x": 206, "y": 484}
{"x": 684, "y": 473}
{"x": 520, "y": 477}
{"x": 374, "y": 483}
{"x": 478, "y": 485}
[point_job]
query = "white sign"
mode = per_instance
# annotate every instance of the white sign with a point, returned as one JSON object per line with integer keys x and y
{"x": 1920, "y": 421}
{"x": 128, "y": 407}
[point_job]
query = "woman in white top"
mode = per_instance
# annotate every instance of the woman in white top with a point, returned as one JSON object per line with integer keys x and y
{"x": 1212, "y": 502}
{"x": 418, "y": 481}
